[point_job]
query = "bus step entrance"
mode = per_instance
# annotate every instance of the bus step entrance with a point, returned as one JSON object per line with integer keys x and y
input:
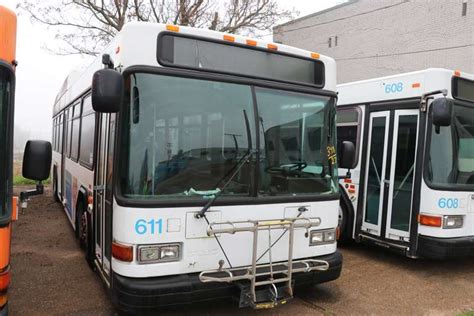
{"x": 264, "y": 285}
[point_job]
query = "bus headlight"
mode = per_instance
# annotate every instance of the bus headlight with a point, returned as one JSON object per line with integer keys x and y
{"x": 318, "y": 237}
{"x": 452, "y": 221}
{"x": 158, "y": 253}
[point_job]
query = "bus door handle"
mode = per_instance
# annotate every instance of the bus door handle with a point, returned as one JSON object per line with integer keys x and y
{"x": 99, "y": 189}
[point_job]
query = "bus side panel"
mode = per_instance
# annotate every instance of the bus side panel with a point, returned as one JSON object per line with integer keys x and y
{"x": 76, "y": 176}
{"x": 5, "y": 235}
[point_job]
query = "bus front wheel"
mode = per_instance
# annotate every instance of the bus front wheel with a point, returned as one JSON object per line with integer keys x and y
{"x": 343, "y": 220}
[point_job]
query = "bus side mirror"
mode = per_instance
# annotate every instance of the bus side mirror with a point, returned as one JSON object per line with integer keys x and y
{"x": 107, "y": 91}
{"x": 442, "y": 109}
{"x": 347, "y": 158}
{"x": 37, "y": 160}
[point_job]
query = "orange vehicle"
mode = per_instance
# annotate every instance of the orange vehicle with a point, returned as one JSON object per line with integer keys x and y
{"x": 7, "y": 201}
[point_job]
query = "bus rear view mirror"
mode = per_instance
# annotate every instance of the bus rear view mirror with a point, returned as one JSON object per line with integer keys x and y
{"x": 37, "y": 160}
{"x": 347, "y": 158}
{"x": 442, "y": 109}
{"x": 107, "y": 91}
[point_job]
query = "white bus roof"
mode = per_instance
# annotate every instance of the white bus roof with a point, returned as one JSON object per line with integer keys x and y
{"x": 400, "y": 86}
{"x": 136, "y": 44}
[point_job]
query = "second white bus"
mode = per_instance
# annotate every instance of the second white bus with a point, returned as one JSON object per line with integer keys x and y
{"x": 412, "y": 185}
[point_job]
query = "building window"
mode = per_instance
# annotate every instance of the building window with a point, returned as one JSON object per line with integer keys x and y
{"x": 330, "y": 42}
{"x": 464, "y": 8}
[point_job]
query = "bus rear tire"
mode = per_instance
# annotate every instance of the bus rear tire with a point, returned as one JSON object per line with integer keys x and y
{"x": 84, "y": 231}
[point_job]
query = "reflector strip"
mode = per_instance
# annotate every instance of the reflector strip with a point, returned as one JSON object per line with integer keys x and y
{"x": 15, "y": 208}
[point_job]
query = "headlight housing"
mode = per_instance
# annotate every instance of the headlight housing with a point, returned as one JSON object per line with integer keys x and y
{"x": 453, "y": 221}
{"x": 159, "y": 253}
{"x": 319, "y": 237}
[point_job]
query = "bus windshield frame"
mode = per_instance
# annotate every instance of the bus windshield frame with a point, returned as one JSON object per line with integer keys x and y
{"x": 458, "y": 177}
{"x": 7, "y": 85}
{"x": 248, "y": 130}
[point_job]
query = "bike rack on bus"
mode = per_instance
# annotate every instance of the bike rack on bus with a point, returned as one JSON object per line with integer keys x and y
{"x": 269, "y": 274}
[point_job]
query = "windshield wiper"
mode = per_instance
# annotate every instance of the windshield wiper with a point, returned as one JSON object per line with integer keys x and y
{"x": 235, "y": 170}
{"x": 287, "y": 168}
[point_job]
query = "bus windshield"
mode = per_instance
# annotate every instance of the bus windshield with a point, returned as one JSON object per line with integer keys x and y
{"x": 451, "y": 156}
{"x": 5, "y": 100}
{"x": 185, "y": 137}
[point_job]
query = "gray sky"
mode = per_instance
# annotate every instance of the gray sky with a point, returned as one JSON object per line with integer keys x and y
{"x": 40, "y": 74}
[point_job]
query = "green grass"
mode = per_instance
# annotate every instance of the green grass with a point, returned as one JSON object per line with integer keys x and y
{"x": 19, "y": 180}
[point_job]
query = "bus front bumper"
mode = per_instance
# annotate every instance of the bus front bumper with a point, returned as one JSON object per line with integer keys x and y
{"x": 445, "y": 248}
{"x": 135, "y": 294}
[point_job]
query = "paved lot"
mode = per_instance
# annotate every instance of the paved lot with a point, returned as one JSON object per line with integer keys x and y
{"x": 51, "y": 277}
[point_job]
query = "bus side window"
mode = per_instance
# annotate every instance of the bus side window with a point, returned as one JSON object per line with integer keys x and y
{"x": 348, "y": 122}
{"x": 54, "y": 135}
{"x": 60, "y": 135}
{"x": 69, "y": 114}
{"x": 76, "y": 126}
{"x": 86, "y": 155}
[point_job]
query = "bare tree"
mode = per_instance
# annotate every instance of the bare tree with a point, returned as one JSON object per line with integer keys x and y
{"x": 86, "y": 26}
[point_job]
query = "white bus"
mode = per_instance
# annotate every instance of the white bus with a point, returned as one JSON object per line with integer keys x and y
{"x": 412, "y": 186}
{"x": 198, "y": 165}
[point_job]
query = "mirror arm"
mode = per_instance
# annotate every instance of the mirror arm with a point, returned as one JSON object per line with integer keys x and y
{"x": 347, "y": 176}
{"x": 25, "y": 195}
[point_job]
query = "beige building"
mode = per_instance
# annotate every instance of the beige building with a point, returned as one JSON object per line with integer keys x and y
{"x": 373, "y": 38}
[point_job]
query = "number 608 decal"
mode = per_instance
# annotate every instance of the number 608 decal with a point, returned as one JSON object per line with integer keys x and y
{"x": 448, "y": 203}
{"x": 151, "y": 227}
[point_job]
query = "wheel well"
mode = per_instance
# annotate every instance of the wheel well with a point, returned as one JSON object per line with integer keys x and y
{"x": 344, "y": 199}
{"x": 81, "y": 198}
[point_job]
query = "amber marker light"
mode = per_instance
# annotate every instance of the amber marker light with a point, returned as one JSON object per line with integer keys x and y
{"x": 122, "y": 252}
{"x": 416, "y": 85}
{"x": 272, "y": 47}
{"x": 430, "y": 220}
{"x": 315, "y": 55}
{"x": 457, "y": 73}
{"x": 251, "y": 42}
{"x": 172, "y": 28}
{"x": 229, "y": 38}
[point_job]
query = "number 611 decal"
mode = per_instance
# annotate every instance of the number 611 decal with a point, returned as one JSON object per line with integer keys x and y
{"x": 151, "y": 227}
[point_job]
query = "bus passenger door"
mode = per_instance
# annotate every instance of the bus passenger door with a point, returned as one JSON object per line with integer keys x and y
{"x": 100, "y": 188}
{"x": 375, "y": 178}
{"x": 402, "y": 174}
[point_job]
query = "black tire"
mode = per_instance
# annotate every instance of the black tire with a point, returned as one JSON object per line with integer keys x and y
{"x": 84, "y": 232}
{"x": 55, "y": 186}
{"x": 343, "y": 221}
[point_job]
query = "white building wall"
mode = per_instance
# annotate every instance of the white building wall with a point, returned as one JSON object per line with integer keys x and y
{"x": 384, "y": 37}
